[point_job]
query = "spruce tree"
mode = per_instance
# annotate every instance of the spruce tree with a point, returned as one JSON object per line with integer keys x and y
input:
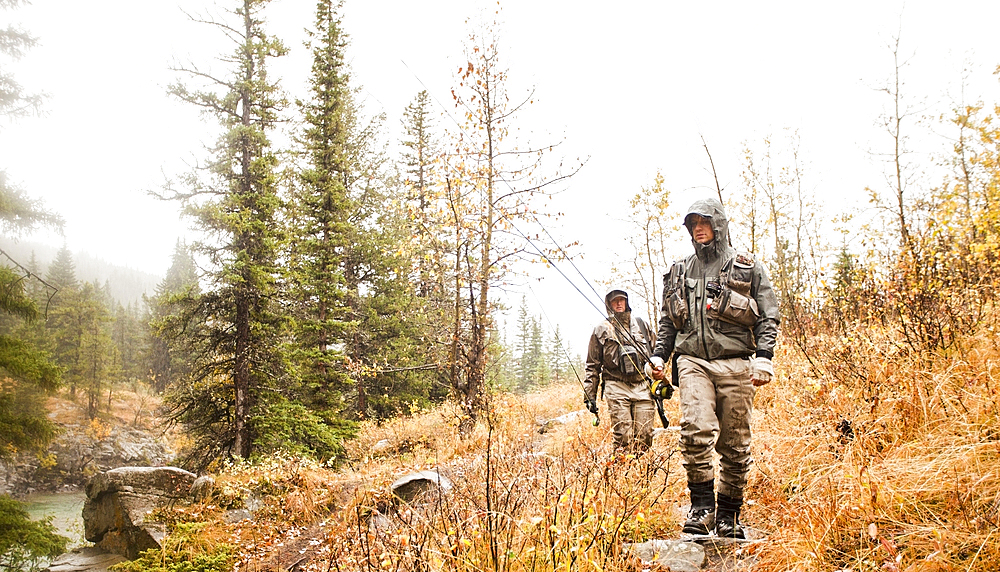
{"x": 321, "y": 229}
{"x": 356, "y": 317}
{"x": 233, "y": 403}
{"x": 168, "y": 358}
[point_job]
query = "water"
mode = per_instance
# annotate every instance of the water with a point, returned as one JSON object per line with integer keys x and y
{"x": 66, "y": 510}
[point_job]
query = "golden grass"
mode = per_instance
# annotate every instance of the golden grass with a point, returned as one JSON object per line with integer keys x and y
{"x": 881, "y": 461}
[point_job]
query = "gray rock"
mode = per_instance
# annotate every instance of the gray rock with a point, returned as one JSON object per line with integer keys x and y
{"x": 414, "y": 485}
{"x": 673, "y": 555}
{"x": 89, "y": 559}
{"x": 381, "y": 447}
{"x": 119, "y": 501}
{"x": 202, "y": 488}
{"x": 566, "y": 419}
{"x": 236, "y": 515}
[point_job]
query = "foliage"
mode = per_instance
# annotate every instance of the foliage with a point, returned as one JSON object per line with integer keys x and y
{"x": 653, "y": 248}
{"x": 489, "y": 183}
{"x": 239, "y": 327}
{"x": 26, "y": 544}
{"x": 185, "y": 549}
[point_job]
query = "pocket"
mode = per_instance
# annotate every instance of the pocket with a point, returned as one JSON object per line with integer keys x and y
{"x": 677, "y": 308}
{"x": 736, "y": 308}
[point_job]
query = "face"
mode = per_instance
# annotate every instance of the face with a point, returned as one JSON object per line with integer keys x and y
{"x": 618, "y": 304}
{"x": 701, "y": 229}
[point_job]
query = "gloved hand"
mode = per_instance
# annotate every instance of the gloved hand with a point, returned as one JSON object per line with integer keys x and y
{"x": 655, "y": 368}
{"x": 662, "y": 389}
{"x": 761, "y": 371}
{"x": 591, "y": 405}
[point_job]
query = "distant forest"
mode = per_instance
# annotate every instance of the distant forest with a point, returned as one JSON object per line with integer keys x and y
{"x": 125, "y": 285}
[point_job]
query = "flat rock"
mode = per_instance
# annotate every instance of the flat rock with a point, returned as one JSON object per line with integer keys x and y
{"x": 673, "y": 555}
{"x": 411, "y": 486}
{"x": 89, "y": 559}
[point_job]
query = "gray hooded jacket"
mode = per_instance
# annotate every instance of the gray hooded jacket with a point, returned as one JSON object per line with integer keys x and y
{"x": 604, "y": 354}
{"x": 703, "y": 335}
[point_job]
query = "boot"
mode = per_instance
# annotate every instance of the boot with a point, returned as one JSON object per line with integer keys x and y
{"x": 701, "y": 519}
{"x": 727, "y": 524}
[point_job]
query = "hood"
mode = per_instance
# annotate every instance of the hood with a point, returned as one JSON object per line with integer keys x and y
{"x": 612, "y": 294}
{"x": 712, "y": 209}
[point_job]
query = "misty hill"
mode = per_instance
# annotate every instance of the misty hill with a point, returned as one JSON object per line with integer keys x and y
{"x": 126, "y": 285}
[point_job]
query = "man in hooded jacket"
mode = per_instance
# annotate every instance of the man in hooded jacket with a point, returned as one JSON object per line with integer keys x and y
{"x": 720, "y": 321}
{"x": 616, "y": 358}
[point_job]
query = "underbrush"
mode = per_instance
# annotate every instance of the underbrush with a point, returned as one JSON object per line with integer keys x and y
{"x": 887, "y": 462}
{"x": 870, "y": 459}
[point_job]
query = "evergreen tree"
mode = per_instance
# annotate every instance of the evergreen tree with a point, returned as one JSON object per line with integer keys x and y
{"x": 539, "y": 358}
{"x": 352, "y": 295}
{"x": 168, "y": 359}
{"x": 523, "y": 349}
{"x": 26, "y": 370}
{"x": 558, "y": 361}
{"x": 62, "y": 271}
{"x": 232, "y": 403}
{"x": 322, "y": 224}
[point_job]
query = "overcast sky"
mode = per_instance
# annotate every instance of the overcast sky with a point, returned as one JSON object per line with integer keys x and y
{"x": 632, "y": 88}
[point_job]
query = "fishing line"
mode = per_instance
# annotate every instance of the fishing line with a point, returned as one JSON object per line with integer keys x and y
{"x": 604, "y": 312}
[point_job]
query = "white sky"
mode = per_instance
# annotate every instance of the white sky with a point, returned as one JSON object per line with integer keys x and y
{"x": 632, "y": 87}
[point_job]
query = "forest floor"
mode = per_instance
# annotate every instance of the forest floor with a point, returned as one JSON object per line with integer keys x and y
{"x": 887, "y": 464}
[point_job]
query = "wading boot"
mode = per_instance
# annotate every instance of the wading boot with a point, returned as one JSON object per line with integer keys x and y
{"x": 701, "y": 519}
{"x": 727, "y": 524}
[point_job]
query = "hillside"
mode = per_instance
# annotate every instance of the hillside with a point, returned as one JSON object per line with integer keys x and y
{"x": 895, "y": 472}
{"x": 126, "y": 285}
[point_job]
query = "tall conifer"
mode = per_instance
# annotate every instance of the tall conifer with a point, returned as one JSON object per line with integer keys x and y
{"x": 233, "y": 396}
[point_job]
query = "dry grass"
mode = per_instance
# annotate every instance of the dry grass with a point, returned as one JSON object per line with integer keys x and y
{"x": 882, "y": 462}
{"x": 912, "y": 484}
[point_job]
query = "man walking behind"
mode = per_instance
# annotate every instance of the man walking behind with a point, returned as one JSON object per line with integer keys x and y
{"x": 616, "y": 357}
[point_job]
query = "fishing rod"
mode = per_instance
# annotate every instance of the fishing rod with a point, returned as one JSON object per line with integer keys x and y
{"x": 626, "y": 329}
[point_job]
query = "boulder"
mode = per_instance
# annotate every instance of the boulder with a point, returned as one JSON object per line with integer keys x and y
{"x": 409, "y": 487}
{"x": 119, "y": 502}
{"x": 88, "y": 559}
{"x": 673, "y": 555}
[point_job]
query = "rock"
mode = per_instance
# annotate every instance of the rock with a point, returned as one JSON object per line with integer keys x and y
{"x": 120, "y": 500}
{"x": 673, "y": 555}
{"x": 76, "y": 455}
{"x": 381, "y": 447}
{"x": 236, "y": 515}
{"x": 570, "y": 417}
{"x": 411, "y": 486}
{"x": 202, "y": 488}
{"x": 89, "y": 559}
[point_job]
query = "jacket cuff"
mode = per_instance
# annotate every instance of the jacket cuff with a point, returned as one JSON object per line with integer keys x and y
{"x": 765, "y": 354}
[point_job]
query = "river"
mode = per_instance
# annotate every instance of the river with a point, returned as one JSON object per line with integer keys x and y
{"x": 66, "y": 510}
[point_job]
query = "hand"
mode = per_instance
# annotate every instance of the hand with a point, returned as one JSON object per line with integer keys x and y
{"x": 654, "y": 368}
{"x": 591, "y": 405}
{"x": 762, "y": 371}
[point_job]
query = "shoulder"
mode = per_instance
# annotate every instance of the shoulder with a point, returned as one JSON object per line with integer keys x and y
{"x": 744, "y": 260}
{"x": 602, "y": 330}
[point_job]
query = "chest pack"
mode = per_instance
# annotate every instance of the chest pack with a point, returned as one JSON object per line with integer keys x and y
{"x": 630, "y": 358}
{"x": 734, "y": 302}
{"x": 729, "y": 299}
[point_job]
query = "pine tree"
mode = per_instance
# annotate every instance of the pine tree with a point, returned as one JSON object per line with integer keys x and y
{"x": 62, "y": 271}
{"x": 233, "y": 399}
{"x": 356, "y": 323}
{"x": 539, "y": 376}
{"x": 169, "y": 358}
{"x": 322, "y": 224}
{"x": 26, "y": 369}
